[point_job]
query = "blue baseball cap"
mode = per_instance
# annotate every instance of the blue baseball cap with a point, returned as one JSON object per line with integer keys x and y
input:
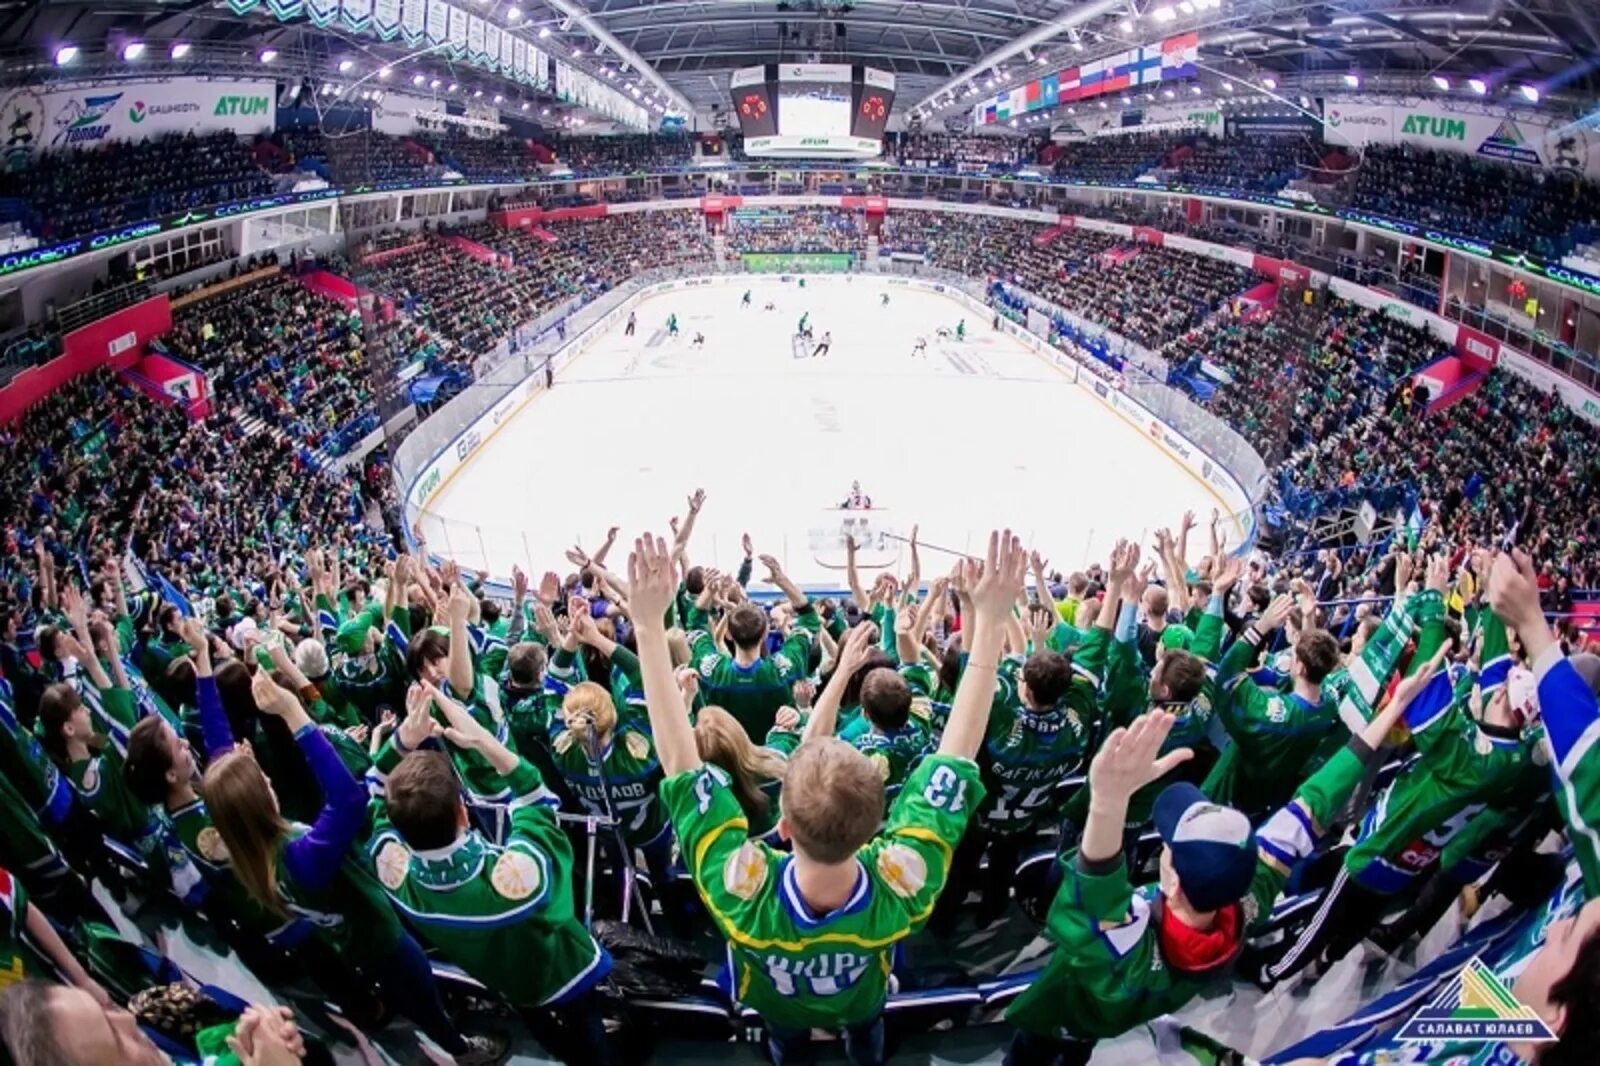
{"x": 1213, "y": 847}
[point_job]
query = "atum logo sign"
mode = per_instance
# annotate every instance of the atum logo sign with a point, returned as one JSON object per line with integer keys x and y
{"x": 1436, "y": 126}
{"x": 241, "y": 105}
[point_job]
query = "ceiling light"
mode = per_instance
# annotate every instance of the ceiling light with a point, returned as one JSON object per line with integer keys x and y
{"x": 132, "y": 50}
{"x": 267, "y": 55}
{"x": 1186, "y": 7}
{"x": 499, "y": 99}
{"x": 418, "y": 79}
{"x": 338, "y": 90}
{"x": 524, "y": 105}
{"x": 346, "y": 65}
{"x": 1352, "y": 80}
{"x": 545, "y": 112}
{"x": 434, "y": 84}
{"x": 66, "y": 54}
{"x": 1164, "y": 14}
{"x": 1077, "y": 45}
{"x": 477, "y": 94}
{"x": 544, "y": 31}
{"x": 1195, "y": 89}
{"x": 1167, "y": 94}
{"x": 1478, "y": 85}
{"x": 181, "y": 49}
{"x": 1529, "y": 93}
{"x": 577, "y": 52}
{"x": 453, "y": 87}
{"x": 1126, "y": 25}
{"x": 1441, "y": 83}
{"x": 514, "y": 14}
{"x": 1227, "y": 86}
{"x": 1269, "y": 83}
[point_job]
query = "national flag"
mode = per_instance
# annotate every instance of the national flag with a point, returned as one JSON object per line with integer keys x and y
{"x": 1145, "y": 69}
{"x": 1019, "y": 100}
{"x": 1031, "y": 93}
{"x": 1117, "y": 70}
{"x": 1049, "y": 90}
{"x": 1178, "y": 55}
{"x": 1092, "y": 74}
{"x": 989, "y": 116}
{"x": 1069, "y": 86}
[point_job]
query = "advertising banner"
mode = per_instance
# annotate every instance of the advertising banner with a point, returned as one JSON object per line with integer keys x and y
{"x": 797, "y": 262}
{"x": 413, "y": 20}
{"x": 131, "y": 111}
{"x": 1497, "y": 133}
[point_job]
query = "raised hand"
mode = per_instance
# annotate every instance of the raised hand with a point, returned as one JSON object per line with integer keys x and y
{"x": 774, "y": 570}
{"x": 460, "y": 602}
{"x": 418, "y": 724}
{"x": 272, "y": 698}
{"x": 1276, "y": 614}
{"x": 1514, "y": 590}
{"x": 697, "y": 501}
{"x": 651, "y": 579}
{"x": 1439, "y": 574}
{"x": 1227, "y": 575}
{"x": 549, "y": 588}
{"x": 748, "y": 545}
{"x": 1131, "y": 757}
{"x": 1000, "y": 582}
{"x": 519, "y": 585}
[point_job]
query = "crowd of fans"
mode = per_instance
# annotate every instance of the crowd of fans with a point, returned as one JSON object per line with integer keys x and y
{"x": 360, "y": 156}
{"x": 1529, "y": 208}
{"x": 938, "y": 726}
{"x": 1261, "y": 164}
{"x": 75, "y": 191}
{"x": 798, "y": 229}
{"x": 482, "y": 159}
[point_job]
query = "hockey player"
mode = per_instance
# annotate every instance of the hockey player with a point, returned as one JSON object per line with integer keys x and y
{"x": 672, "y": 325}
{"x": 920, "y": 348}
{"x": 489, "y": 909}
{"x": 1125, "y": 955}
{"x": 883, "y": 299}
{"x": 746, "y": 684}
{"x": 823, "y": 345}
{"x": 699, "y": 341}
{"x": 961, "y": 330}
{"x": 746, "y": 301}
{"x": 812, "y": 936}
{"x": 804, "y": 328}
{"x": 857, "y": 500}
{"x": 633, "y": 321}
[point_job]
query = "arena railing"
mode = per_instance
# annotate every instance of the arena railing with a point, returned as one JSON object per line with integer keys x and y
{"x": 1196, "y": 437}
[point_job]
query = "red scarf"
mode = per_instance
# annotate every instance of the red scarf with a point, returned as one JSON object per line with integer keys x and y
{"x": 1197, "y": 950}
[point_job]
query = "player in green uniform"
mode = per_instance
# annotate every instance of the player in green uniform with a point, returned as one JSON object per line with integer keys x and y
{"x": 1463, "y": 765}
{"x": 490, "y": 908}
{"x": 746, "y": 684}
{"x": 672, "y": 325}
{"x": 961, "y": 330}
{"x": 811, "y": 936}
{"x": 1124, "y": 955}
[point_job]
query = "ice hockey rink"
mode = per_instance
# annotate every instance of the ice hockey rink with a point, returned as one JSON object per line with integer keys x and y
{"x": 971, "y": 434}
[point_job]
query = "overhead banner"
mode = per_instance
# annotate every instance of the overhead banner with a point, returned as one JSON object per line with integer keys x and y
{"x": 133, "y": 111}
{"x": 458, "y": 30}
{"x": 438, "y": 22}
{"x": 1500, "y": 134}
{"x": 413, "y": 20}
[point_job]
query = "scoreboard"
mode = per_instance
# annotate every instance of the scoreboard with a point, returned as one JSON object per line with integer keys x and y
{"x": 812, "y": 110}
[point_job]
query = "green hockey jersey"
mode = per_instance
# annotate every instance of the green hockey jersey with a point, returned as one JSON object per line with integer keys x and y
{"x": 752, "y": 694}
{"x": 1107, "y": 974}
{"x": 503, "y": 913}
{"x": 796, "y": 968}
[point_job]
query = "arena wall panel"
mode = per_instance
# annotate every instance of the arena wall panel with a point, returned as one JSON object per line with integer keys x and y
{"x": 118, "y": 340}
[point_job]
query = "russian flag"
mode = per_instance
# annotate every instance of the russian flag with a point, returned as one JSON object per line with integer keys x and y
{"x": 989, "y": 116}
{"x": 1178, "y": 55}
